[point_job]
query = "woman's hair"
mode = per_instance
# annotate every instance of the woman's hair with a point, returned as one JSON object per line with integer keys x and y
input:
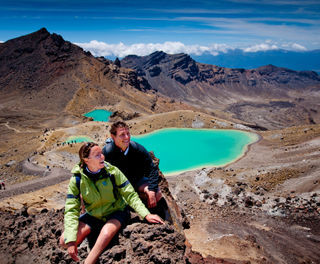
{"x": 84, "y": 152}
{"x": 114, "y": 126}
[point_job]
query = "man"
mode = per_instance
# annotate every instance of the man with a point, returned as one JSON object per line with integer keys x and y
{"x": 135, "y": 163}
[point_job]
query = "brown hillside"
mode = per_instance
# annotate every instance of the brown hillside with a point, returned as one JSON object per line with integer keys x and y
{"x": 42, "y": 71}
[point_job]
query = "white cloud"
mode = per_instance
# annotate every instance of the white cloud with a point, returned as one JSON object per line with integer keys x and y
{"x": 296, "y": 46}
{"x": 261, "y": 47}
{"x": 121, "y": 50}
{"x": 98, "y": 48}
{"x": 293, "y": 46}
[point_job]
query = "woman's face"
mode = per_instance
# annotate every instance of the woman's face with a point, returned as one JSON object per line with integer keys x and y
{"x": 95, "y": 161}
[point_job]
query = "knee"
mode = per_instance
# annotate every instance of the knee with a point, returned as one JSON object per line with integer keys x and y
{"x": 110, "y": 228}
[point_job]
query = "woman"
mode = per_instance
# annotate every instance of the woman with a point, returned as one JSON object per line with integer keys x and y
{"x": 106, "y": 210}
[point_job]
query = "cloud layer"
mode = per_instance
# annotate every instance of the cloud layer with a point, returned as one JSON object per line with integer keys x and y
{"x": 98, "y": 48}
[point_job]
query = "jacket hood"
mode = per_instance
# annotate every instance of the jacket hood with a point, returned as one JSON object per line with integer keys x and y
{"x": 76, "y": 168}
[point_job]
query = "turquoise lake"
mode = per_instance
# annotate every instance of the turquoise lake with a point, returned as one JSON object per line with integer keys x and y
{"x": 99, "y": 115}
{"x": 182, "y": 149}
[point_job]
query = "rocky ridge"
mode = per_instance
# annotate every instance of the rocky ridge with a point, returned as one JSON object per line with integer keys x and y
{"x": 280, "y": 96}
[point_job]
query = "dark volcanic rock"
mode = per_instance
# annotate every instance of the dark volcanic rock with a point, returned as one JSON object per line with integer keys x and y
{"x": 122, "y": 115}
{"x": 36, "y": 238}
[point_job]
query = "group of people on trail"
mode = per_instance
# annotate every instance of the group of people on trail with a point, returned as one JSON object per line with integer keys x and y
{"x": 107, "y": 182}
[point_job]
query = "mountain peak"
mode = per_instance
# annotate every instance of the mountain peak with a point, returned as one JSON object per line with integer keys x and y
{"x": 37, "y": 41}
{"x": 34, "y": 36}
{"x": 158, "y": 53}
{"x": 31, "y": 60}
{"x": 41, "y": 31}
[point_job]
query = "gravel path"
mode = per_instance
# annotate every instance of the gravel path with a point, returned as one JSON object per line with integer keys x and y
{"x": 46, "y": 178}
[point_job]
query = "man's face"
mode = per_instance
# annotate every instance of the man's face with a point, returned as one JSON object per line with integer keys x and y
{"x": 122, "y": 138}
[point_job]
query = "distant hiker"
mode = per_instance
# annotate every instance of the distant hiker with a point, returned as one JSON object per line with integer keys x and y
{"x": 106, "y": 193}
{"x": 136, "y": 164}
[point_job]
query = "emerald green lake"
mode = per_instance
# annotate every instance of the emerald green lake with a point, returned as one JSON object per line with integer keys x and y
{"x": 78, "y": 139}
{"x": 99, "y": 115}
{"x": 185, "y": 149}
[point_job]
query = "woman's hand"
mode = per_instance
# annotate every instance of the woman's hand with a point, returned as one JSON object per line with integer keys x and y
{"x": 73, "y": 251}
{"x": 154, "y": 219}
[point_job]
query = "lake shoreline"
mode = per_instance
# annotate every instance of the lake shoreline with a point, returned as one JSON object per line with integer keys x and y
{"x": 162, "y": 135}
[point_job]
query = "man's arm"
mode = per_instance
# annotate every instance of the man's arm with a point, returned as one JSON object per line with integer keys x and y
{"x": 153, "y": 177}
{"x": 149, "y": 169}
{"x": 151, "y": 172}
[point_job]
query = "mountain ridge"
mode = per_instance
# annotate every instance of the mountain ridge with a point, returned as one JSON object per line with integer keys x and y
{"x": 304, "y": 60}
{"x": 214, "y": 87}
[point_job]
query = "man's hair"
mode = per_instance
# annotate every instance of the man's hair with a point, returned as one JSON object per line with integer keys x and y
{"x": 116, "y": 125}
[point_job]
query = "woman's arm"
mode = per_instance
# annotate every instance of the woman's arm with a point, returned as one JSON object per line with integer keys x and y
{"x": 127, "y": 191}
{"x": 72, "y": 212}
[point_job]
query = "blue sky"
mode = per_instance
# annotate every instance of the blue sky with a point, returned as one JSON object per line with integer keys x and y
{"x": 123, "y": 27}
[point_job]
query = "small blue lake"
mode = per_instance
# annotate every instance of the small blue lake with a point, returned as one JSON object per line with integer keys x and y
{"x": 182, "y": 149}
{"x": 99, "y": 115}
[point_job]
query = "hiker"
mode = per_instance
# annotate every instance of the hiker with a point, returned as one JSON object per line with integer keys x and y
{"x": 106, "y": 193}
{"x": 135, "y": 163}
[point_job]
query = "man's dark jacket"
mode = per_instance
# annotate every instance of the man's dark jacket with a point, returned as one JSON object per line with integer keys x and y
{"x": 135, "y": 165}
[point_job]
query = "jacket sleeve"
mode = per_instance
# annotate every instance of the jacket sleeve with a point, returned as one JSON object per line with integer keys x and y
{"x": 150, "y": 170}
{"x": 72, "y": 212}
{"x": 127, "y": 191}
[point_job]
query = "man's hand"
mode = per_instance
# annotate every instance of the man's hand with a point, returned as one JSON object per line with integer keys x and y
{"x": 73, "y": 251}
{"x": 154, "y": 219}
{"x": 151, "y": 195}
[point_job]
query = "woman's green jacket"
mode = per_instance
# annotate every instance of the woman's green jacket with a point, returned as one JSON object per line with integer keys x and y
{"x": 98, "y": 197}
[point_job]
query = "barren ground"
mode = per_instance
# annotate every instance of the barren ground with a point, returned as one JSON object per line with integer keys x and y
{"x": 263, "y": 208}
